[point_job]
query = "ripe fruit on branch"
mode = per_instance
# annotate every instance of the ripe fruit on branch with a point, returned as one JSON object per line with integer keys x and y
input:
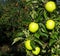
{"x": 27, "y": 44}
{"x": 50, "y": 24}
{"x": 50, "y": 6}
{"x": 36, "y": 51}
{"x": 33, "y": 27}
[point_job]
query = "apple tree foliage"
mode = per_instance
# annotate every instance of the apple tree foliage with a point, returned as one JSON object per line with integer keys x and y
{"x": 15, "y": 16}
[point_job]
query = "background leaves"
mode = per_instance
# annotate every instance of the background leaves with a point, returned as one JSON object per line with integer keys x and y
{"x": 15, "y": 16}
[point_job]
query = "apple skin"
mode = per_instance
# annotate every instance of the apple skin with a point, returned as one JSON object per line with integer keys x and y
{"x": 50, "y": 6}
{"x": 27, "y": 44}
{"x": 50, "y": 24}
{"x": 33, "y": 27}
{"x": 36, "y": 51}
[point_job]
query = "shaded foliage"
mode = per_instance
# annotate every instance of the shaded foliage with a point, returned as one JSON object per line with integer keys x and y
{"x": 15, "y": 16}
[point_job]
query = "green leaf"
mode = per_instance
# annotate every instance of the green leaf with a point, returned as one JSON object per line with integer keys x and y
{"x": 41, "y": 43}
{"x": 45, "y": 14}
{"x": 52, "y": 42}
{"x": 43, "y": 28}
{"x": 37, "y": 35}
{"x": 44, "y": 34}
{"x": 16, "y": 40}
{"x": 33, "y": 44}
{"x": 33, "y": 14}
{"x": 54, "y": 35}
{"x": 57, "y": 51}
{"x": 19, "y": 34}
